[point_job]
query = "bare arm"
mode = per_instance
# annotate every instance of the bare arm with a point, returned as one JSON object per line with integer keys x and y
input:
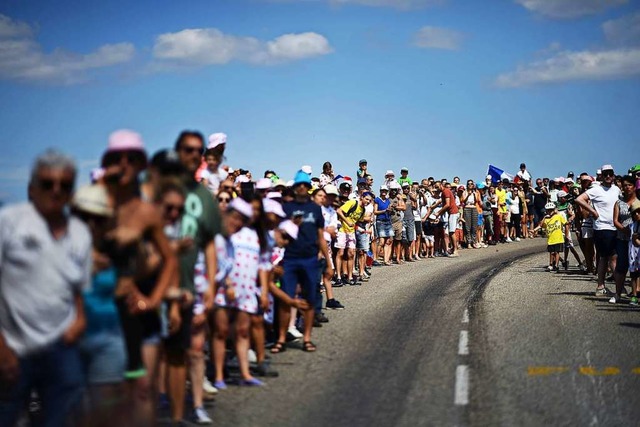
{"x": 583, "y": 202}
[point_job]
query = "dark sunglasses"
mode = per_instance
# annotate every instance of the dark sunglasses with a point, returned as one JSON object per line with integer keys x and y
{"x": 168, "y": 208}
{"x": 50, "y": 184}
{"x": 608, "y": 173}
{"x": 132, "y": 157}
{"x": 91, "y": 218}
{"x": 224, "y": 199}
{"x": 191, "y": 150}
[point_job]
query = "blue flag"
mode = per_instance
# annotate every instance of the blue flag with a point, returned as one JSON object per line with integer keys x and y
{"x": 498, "y": 174}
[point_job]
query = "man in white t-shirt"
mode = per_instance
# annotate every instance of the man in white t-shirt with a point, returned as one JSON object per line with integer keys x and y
{"x": 523, "y": 173}
{"x": 45, "y": 260}
{"x": 599, "y": 201}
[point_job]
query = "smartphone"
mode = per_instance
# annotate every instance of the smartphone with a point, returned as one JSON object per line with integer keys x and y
{"x": 247, "y": 190}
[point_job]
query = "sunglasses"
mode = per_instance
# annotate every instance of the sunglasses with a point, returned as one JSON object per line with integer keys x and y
{"x": 191, "y": 150}
{"x": 50, "y": 184}
{"x": 168, "y": 208}
{"x": 224, "y": 199}
{"x": 132, "y": 157}
{"x": 91, "y": 218}
{"x": 608, "y": 173}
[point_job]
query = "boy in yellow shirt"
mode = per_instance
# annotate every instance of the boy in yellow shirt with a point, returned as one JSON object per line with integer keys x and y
{"x": 557, "y": 229}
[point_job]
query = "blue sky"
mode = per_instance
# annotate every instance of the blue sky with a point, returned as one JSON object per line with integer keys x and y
{"x": 444, "y": 87}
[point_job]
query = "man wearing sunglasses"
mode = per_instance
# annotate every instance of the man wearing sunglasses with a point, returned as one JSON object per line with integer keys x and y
{"x": 45, "y": 261}
{"x": 603, "y": 199}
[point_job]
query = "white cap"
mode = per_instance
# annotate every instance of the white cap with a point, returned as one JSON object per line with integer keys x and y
{"x": 271, "y": 206}
{"x": 264, "y": 184}
{"x": 389, "y": 172}
{"x": 488, "y": 177}
{"x": 242, "y": 178}
{"x": 550, "y": 205}
{"x": 274, "y": 195}
{"x": 384, "y": 188}
{"x": 562, "y": 193}
{"x": 606, "y": 168}
{"x": 331, "y": 189}
{"x": 306, "y": 169}
{"x": 230, "y": 170}
{"x": 290, "y": 228}
{"x": 216, "y": 139}
{"x": 92, "y": 199}
{"x": 242, "y": 206}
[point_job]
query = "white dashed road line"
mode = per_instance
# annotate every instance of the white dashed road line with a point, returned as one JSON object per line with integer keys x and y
{"x": 463, "y": 344}
{"x": 465, "y": 316}
{"x": 462, "y": 385}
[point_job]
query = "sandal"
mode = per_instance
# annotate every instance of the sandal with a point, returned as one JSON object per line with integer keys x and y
{"x": 309, "y": 347}
{"x": 279, "y": 347}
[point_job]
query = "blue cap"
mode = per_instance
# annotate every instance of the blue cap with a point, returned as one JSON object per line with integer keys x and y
{"x": 302, "y": 178}
{"x": 480, "y": 185}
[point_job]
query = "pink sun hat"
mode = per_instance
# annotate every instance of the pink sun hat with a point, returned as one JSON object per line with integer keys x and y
{"x": 216, "y": 139}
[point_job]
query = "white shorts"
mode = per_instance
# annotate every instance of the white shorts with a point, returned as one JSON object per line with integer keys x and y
{"x": 587, "y": 233}
{"x": 453, "y": 222}
{"x": 346, "y": 240}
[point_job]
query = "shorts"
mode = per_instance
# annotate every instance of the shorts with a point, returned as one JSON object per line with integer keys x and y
{"x": 418, "y": 224}
{"x": 362, "y": 241}
{"x": 587, "y": 233}
{"x": 453, "y": 222}
{"x": 557, "y": 248}
{"x": 622, "y": 250}
{"x": 480, "y": 220}
{"x": 303, "y": 271}
{"x": 181, "y": 340}
{"x": 346, "y": 240}
{"x": 104, "y": 357}
{"x": 397, "y": 230}
{"x": 605, "y": 242}
{"x": 384, "y": 229}
{"x": 409, "y": 233}
{"x": 430, "y": 238}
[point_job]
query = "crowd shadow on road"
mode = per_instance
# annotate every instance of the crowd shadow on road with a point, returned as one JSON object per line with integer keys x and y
{"x": 630, "y": 325}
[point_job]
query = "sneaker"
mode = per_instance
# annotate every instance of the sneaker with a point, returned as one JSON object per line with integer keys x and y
{"x": 517, "y": 239}
{"x": 582, "y": 267}
{"x": 602, "y": 292}
{"x": 253, "y": 382}
{"x": 609, "y": 278}
{"x": 376, "y": 263}
{"x": 207, "y": 387}
{"x": 550, "y": 268}
{"x": 253, "y": 357}
{"x": 614, "y": 300}
{"x": 220, "y": 385}
{"x": 334, "y": 304}
{"x": 265, "y": 370}
{"x": 634, "y": 301}
{"x": 338, "y": 283}
{"x": 320, "y": 317}
{"x": 294, "y": 332}
{"x": 565, "y": 264}
{"x": 365, "y": 277}
{"x": 508, "y": 240}
{"x": 354, "y": 282}
{"x": 200, "y": 416}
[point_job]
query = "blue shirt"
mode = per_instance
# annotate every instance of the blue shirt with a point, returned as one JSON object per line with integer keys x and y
{"x": 100, "y": 307}
{"x": 382, "y": 205}
{"x": 306, "y": 245}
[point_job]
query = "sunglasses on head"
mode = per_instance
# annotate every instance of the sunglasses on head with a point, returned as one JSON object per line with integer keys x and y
{"x": 116, "y": 157}
{"x": 168, "y": 208}
{"x": 49, "y": 184}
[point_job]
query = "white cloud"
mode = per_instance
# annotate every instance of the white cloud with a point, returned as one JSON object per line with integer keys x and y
{"x": 437, "y": 38}
{"x": 623, "y": 31}
{"x": 567, "y": 66}
{"x": 22, "y": 57}
{"x": 210, "y": 46}
{"x": 568, "y": 8}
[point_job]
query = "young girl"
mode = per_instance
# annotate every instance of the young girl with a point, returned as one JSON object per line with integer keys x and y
{"x": 634, "y": 252}
{"x": 240, "y": 263}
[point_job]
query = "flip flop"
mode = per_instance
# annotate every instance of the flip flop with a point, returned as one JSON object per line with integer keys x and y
{"x": 253, "y": 382}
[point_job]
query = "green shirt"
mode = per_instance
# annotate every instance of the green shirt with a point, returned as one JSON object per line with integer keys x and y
{"x": 403, "y": 180}
{"x": 201, "y": 222}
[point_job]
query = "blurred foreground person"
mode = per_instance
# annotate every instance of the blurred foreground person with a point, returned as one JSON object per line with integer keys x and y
{"x": 45, "y": 263}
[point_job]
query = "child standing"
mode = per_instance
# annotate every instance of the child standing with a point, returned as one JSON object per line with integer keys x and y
{"x": 557, "y": 228}
{"x": 634, "y": 252}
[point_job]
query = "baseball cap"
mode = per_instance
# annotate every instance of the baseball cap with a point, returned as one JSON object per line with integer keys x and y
{"x": 406, "y": 184}
{"x": 167, "y": 162}
{"x": 562, "y": 193}
{"x": 405, "y": 169}
{"x": 216, "y": 139}
{"x": 331, "y": 189}
{"x": 290, "y": 228}
{"x": 550, "y": 206}
{"x": 362, "y": 161}
{"x": 606, "y": 168}
{"x": 271, "y": 206}
{"x": 306, "y": 169}
{"x": 279, "y": 183}
{"x": 570, "y": 174}
{"x": 92, "y": 199}
{"x": 274, "y": 195}
{"x": 389, "y": 172}
{"x": 488, "y": 177}
{"x": 242, "y": 178}
{"x": 480, "y": 185}
{"x": 384, "y": 188}
{"x": 240, "y": 205}
{"x": 345, "y": 184}
{"x": 263, "y": 184}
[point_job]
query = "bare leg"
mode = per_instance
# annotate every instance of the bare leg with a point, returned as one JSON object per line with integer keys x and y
{"x": 257, "y": 334}
{"x": 219, "y": 341}
{"x": 196, "y": 365}
{"x": 243, "y": 324}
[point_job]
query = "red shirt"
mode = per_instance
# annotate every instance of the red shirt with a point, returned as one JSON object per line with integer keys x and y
{"x": 447, "y": 194}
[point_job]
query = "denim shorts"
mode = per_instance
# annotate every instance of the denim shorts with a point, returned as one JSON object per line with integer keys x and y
{"x": 384, "y": 229}
{"x": 622, "y": 249}
{"x": 362, "y": 241}
{"x": 103, "y": 356}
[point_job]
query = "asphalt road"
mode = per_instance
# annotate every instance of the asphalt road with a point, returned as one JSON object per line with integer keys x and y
{"x": 489, "y": 338}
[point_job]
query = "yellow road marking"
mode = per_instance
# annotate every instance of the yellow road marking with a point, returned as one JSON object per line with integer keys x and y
{"x": 635, "y": 371}
{"x": 590, "y": 370}
{"x": 546, "y": 370}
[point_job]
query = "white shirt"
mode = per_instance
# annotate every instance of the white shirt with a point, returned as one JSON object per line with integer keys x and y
{"x": 39, "y": 276}
{"x": 603, "y": 199}
{"x": 330, "y": 220}
{"x": 524, "y": 175}
{"x": 213, "y": 179}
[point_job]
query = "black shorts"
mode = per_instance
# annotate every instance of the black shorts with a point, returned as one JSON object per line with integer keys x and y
{"x": 181, "y": 340}
{"x": 605, "y": 242}
{"x": 558, "y": 247}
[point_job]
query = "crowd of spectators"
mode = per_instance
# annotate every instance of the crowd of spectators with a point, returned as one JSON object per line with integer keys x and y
{"x": 113, "y": 295}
